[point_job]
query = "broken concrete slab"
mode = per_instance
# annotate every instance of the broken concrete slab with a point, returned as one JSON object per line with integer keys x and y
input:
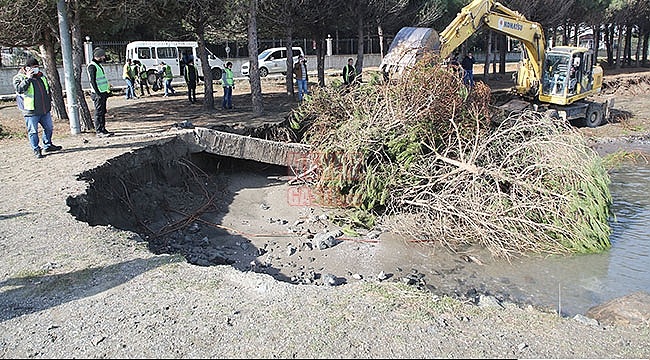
{"x": 246, "y": 147}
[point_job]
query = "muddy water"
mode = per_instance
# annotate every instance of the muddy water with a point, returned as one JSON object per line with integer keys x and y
{"x": 573, "y": 285}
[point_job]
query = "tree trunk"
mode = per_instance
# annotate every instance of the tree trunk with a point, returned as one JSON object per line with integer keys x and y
{"x": 254, "y": 73}
{"x": 637, "y": 63}
{"x": 79, "y": 64}
{"x": 493, "y": 54}
{"x": 627, "y": 48}
{"x": 503, "y": 53}
{"x": 290, "y": 61}
{"x": 596, "y": 31}
{"x": 609, "y": 44}
{"x": 553, "y": 37}
{"x": 646, "y": 36}
{"x": 49, "y": 55}
{"x": 320, "y": 52}
{"x": 380, "y": 33}
{"x": 208, "y": 97}
{"x": 486, "y": 63}
{"x": 618, "y": 47}
{"x": 359, "y": 64}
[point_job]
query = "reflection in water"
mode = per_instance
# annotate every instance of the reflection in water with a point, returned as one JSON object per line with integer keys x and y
{"x": 574, "y": 284}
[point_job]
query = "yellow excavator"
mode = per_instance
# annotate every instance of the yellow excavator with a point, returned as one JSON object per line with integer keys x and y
{"x": 560, "y": 78}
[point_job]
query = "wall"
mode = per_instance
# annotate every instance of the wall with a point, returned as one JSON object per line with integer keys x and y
{"x": 114, "y": 71}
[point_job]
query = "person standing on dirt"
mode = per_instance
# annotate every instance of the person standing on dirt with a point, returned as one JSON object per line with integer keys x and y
{"x": 129, "y": 79}
{"x": 166, "y": 73}
{"x": 300, "y": 72}
{"x": 34, "y": 99}
{"x": 141, "y": 73}
{"x": 349, "y": 73}
{"x": 191, "y": 75}
{"x": 228, "y": 83}
{"x": 100, "y": 91}
{"x": 468, "y": 68}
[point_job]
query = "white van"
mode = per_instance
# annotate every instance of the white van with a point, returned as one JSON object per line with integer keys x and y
{"x": 173, "y": 53}
{"x": 273, "y": 61}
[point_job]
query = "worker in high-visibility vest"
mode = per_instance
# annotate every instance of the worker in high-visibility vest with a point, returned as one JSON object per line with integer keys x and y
{"x": 143, "y": 78}
{"x": 100, "y": 90}
{"x": 34, "y": 99}
{"x": 228, "y": 83}
{"x": 166, "y": 73}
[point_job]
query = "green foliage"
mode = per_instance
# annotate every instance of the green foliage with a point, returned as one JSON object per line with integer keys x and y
{"x": 618, "y": 158}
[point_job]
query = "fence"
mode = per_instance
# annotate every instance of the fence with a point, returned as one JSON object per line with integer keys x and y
{"x": 226, "y": 49}
{"x": 232, "y": 49}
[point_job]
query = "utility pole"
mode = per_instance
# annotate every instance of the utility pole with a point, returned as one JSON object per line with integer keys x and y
{"x": 66, "y": 50}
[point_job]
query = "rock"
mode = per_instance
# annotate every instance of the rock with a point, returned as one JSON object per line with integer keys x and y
{"x": 382, "y": 276}
{"x": 489, "y": 301}
{"x": 329, "y": 279}
{"x": 327, "y": 240}
{"x": 585, "y": 320}
{"x": 633, "y": 309}
{"x": 374, "y": 234}
{"x": 193, "y": 228}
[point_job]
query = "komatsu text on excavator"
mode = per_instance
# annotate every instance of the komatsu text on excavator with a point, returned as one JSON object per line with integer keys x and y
{"x": 559, "y": 78}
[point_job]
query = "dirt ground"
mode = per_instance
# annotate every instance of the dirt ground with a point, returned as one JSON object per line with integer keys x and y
{"x": 89, "y": 287}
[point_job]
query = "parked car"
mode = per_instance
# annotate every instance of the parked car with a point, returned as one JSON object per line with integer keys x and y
{"x": 273, "y": 61}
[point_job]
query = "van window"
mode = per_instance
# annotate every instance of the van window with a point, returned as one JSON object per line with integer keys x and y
{"x": 296, "y": 53}
{"x": 276, "y": 55}
{"x": 166, "y": 53}
{"x": 185, "y": 53}
{"x": 144, "y": 53}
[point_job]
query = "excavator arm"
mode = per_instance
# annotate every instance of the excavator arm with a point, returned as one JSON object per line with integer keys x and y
{"x": 562, "y": 77}
{"x": 494, "y": 15}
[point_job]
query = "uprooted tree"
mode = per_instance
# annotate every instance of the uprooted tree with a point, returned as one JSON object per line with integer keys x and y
{"x": 439, "y": 164}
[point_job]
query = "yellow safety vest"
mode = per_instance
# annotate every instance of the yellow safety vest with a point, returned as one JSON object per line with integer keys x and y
{"x": 28, "y": 96}
{"x": 229, "y": 80}
{"x": 100, "y": 78}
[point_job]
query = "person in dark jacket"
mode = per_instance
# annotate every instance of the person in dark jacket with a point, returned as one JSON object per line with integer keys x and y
{"x": 191, "y": 75}
{"x": 302, "y": 79}
{"x": 142, "y": 77}
{"x": 34, "y": 99}
{"x": 100, "y": 91}
{"x": 468, "y": 68}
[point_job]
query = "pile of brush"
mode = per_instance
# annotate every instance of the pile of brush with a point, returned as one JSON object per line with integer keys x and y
{"x": 426, "y": 153}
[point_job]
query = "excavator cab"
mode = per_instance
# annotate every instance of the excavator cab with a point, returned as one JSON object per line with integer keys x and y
{"x": 567, "y": 75}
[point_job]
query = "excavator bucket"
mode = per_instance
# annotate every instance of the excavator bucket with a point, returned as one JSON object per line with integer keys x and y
{"x": 408, "y": 46}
